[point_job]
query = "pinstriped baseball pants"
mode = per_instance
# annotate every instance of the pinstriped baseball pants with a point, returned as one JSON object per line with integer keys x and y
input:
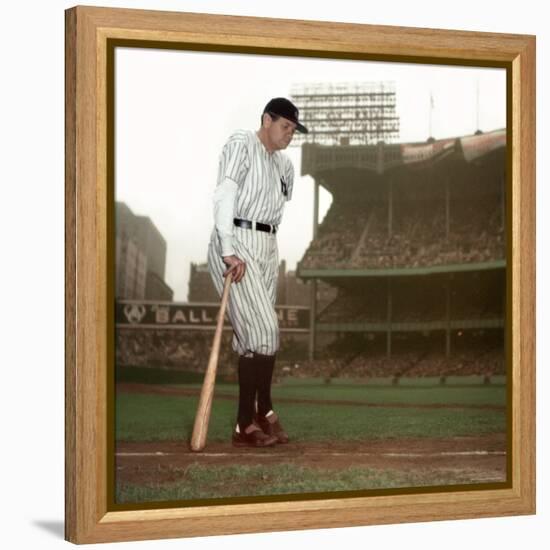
{"x": 251, "y": 305}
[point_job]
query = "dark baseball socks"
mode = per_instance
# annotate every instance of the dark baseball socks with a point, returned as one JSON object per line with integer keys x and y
{"x": 247, "y": 391}
{"x": 266, "y": 365}
{"x": 255, "y": 376}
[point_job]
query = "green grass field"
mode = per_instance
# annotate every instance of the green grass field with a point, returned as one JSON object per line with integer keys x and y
{"x": 341, "y": 411}
{"x": 380, "y": 391}
{"x": 197, "y": 482}
{"x": 149, "y": 417}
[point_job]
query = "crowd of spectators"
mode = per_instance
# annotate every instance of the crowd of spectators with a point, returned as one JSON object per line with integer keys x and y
{"x": 423, "y": 302}
{"x": 355, "y": 236}
{"x": 344, "y": 358}
{"x": 337, "y": 236}
{"x": 355, "y": 307}
{"x": 165, "y": 348}
{"x": 186, "y": 350}
{"x": 483, "y": 363}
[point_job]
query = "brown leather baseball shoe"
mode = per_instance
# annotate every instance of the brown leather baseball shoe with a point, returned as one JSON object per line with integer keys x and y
{"x": 271, "y": 426}
{"x": 253, "y": 436}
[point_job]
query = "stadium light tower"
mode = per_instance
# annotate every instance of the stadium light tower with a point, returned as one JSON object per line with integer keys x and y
{"x": 347, "y": 113}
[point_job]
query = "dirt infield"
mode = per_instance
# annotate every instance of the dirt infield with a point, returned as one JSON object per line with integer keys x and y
{"x": 445, "y": 444}
{"x": 484, "y": 457}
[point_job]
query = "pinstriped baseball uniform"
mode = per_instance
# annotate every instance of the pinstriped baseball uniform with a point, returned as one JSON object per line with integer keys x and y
{"x": 264, "y": 183}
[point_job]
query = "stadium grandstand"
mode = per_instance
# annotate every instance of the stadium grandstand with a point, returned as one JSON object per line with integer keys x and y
{"x": 414, "y": 244}
{"x": 407, "y": 271}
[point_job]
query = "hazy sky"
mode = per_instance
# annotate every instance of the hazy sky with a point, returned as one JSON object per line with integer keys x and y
{"x": 175, "y": 109}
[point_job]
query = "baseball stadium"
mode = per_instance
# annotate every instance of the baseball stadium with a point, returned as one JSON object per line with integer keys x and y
{"x": 392, "y": 371}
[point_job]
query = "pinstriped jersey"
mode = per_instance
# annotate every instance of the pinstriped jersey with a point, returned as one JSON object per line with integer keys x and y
{"x": 264, "y": 179}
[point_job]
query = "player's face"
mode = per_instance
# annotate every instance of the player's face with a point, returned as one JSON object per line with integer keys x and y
{"x": 280, "y": 132}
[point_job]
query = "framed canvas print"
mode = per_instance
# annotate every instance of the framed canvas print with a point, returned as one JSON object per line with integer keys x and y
{"x": 386, "y": 320}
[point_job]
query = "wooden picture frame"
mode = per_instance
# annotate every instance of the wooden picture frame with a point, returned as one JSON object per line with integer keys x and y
{"x": 90, "y": 33}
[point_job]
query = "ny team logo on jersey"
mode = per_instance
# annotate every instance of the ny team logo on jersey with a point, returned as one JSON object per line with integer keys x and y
{"x": 284, "y": 186}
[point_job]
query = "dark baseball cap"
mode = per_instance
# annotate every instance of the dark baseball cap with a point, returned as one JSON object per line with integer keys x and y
{"x": 285, "y": 108}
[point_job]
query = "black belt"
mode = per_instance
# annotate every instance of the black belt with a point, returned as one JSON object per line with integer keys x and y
{"x": 247, "y": 224}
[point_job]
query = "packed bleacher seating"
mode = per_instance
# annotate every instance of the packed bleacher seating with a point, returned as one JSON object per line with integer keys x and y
{"x": 186, "y": 350}
{"x": 357, "y": 233}
{"x": 482, "y": 361}
{"x": 350, "y": 356}
{"x": 398, "y": 366}
{"x": 475, "y": 295}
{"x": 338, "y": 235}
{"x": 166, "y": 348}
{"x": 355, "y": 236}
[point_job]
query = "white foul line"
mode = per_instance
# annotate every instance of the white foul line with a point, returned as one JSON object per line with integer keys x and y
{"x": 158, "y": 453}
{"x": 270, "y": 455}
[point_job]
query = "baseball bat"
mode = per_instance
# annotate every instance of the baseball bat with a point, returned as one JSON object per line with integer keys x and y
{"x": 202, "y": 418}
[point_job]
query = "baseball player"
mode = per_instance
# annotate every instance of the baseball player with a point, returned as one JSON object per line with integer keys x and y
{"x": 254, "y": 182}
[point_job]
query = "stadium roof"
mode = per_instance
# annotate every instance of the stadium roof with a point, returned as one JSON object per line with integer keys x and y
{"x": 382, "y": 157}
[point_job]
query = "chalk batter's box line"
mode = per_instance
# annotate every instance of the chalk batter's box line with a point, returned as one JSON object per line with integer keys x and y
{"x": 391, "y": 455}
